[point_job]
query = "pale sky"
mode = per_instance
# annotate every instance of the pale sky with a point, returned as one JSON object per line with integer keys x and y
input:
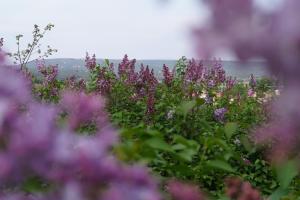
{"x": 144, "y": 29}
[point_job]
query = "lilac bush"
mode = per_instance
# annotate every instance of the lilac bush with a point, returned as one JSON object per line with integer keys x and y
{"x": 69, "y": 165}
{"x": 251, "y": 32}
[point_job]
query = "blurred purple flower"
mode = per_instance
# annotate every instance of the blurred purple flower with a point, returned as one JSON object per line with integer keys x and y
{"x": 83, "y": 108}
{"x": 251, "y": 93}
{"x": 180, "y": 191}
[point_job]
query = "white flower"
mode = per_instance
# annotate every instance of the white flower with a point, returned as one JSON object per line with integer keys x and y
{"x": 237, "y": 142}
{"x": 170, "y": 114}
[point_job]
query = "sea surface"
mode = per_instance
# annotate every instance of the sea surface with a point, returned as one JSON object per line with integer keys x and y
{"x": 68, "y": 67}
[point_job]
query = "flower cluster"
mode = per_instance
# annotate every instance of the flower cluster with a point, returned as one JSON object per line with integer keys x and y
{"x": 180, "y": 191}
{"x": 219, "y": 114}
{"x": 239, "y": 190}
{"x": 90, "y": 63}
{"x": 126, "y": 70}
{"x": 168, "y": 76}
{"x": 49, "y": 73}
{"x": 102, "y": 77}
{"x": 73, "y": 84}
{"x": 194, "y": 71}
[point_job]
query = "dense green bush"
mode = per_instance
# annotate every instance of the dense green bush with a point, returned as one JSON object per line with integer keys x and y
{"x": 194, "y": 124}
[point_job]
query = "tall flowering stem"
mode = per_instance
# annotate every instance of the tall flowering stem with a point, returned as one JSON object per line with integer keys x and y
{"x": 168, "y": 76}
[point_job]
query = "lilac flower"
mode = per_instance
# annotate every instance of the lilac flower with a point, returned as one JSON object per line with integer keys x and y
{"x": 230, "y": 82}
{"x": 168, "y": 76}
{"x": 208, "y": 99}
{"x": 150, "y": 104}
{"x": 120, "y": 192}
{"x": 251, "y": 93}
{"x": 219, "y": 114}
{"x": 2, "y": 56}
{"x": 71, "y": 82}
{"x": 218, "y": 72}
{"x": 16, "y": 88}
{"x": 237, "y": 189}
{"x": 81, "y": 84}
{"x": 123, "y": 65}
{"x": 194, "y": 71}
{"x": 83, "y": 108}
{"x": 252, "y": 81}
{"x": 90, "y": 63}
{"x": 49, "y": 73}
{"x": 211, "y": 84}
{"x": 180, "y": 191}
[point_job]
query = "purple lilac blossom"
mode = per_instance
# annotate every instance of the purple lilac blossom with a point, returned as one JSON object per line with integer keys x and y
{"x": 180, "y": 191}
{"x": 168, "y": 76}
{"x": 90, "y": 63}
{"x": 219, "y": 114}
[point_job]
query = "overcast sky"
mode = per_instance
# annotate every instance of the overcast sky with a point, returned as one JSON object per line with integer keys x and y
{"x": 144, "y": 29}
{"x": 147, "y": 29}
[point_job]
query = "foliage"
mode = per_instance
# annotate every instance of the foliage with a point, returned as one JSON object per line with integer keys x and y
{"x": 175, "y": 127}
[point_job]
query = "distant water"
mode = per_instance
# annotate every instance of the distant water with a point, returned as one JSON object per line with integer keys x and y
{"x": 240, "y": 70}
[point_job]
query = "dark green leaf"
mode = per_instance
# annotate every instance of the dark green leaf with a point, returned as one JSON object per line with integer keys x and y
{"x": 230, "y": 129}
{"x": 219, "y": 164}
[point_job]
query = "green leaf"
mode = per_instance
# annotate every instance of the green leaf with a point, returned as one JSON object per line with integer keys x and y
{"x": 177, "y": 147}
{"x": 186, "y": 106}
{"x": 286, "y": 173}
{"x": 187, "y": 154}
{"x": 106, "y": 61}
{"x": 278, "y": 194}
{"x": 247, "y": 144}
{"x": 33, "y": 184}
{"x": 230, "y": 129}
{"x": 159, "y": 144}
{"x": 219, "y": 164}
{"x": 200, "y": 101}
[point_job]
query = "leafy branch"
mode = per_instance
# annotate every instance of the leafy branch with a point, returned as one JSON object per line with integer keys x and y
{"x": 23, "y": 56}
